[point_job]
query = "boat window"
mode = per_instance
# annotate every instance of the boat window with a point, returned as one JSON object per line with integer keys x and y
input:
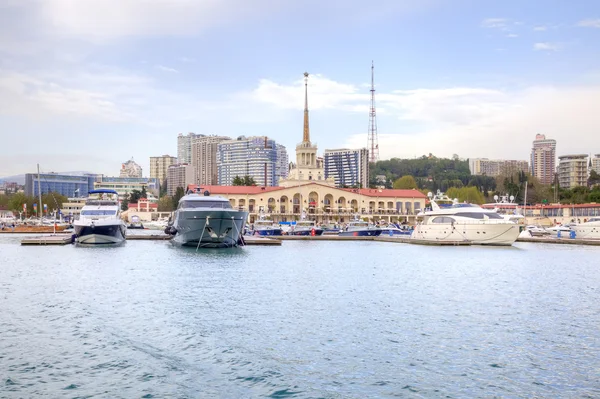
{"x": 479, "y": 215}
{"x": 99, "y": 212}
{"x": 442, "y": 219}
{"x": 205, "y": 204}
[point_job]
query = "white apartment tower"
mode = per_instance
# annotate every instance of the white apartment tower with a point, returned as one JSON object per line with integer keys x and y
{"x": 348, "y": 168}
{"x": 204, "y": 159}
{"x": 159, "y": 167}
{"x": 184, "y": 147}
{"x": 572, "y": 170}
{"x": 543, "y": 159}
{"x": 130, "y": 169}
{"x": 248, "y": 156}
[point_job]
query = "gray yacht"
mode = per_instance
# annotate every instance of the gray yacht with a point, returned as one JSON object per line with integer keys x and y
{"x": 205, "y": 221}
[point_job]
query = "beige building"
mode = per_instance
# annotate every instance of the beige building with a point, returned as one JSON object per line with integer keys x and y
{"x": 596, "y": 163}
{"x": 204, "y": 159}
{"x": 179, "y": 175}
{"x": 572, "y": 170}
{"x": 308, "y": 166}
{"x": 322, "y": 203}
{"x": 496, "y": 167}
{"x": 543, "y": 159}
{"x": 159, "y": 167}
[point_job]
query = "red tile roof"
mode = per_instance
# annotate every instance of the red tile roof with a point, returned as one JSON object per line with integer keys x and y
{"x": 240, "y": 190}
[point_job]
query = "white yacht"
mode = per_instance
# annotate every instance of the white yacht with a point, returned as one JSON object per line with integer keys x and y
{"x": 202, "y": 220}
{"x": 100, "y": 220}
{"x": 463, "y": 222}
{"x": 506, "y": 207}
{"x": 588, "y": 230}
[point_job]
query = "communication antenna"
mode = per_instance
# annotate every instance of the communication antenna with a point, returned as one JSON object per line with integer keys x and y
{"x": 373, "y": 144}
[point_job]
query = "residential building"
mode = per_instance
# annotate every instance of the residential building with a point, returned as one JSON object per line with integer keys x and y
{"x": 543, "y": 159}
{"x": 572, "y": 170}
{"x": 130, "y": 169}
{"x": 348, "y": 168}
{"x": 595, "y": 164}
{"x": 256, "y": 157}
{"x": 323, "y": 203}
{"x": 67, "y": 185}
{"x": 179, "y": 175}
{"x": 283, "y": 163}
{"x": 125, "y": 185}
{"x": 184, "y": 147}
{"x": 308, "y": 166}
{"x": 496, "y": 167}
{"x": 159, "y": 167}
{"x": 204, "y": 159}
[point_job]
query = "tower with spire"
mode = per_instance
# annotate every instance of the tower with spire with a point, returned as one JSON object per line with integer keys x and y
{"x": 308, "y": 166}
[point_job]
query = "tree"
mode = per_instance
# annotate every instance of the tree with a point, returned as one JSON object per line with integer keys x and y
{"x": 178, "y": 194}
{"x": 594, "y": 178}
{"x": 17, "y": 200}
{"x": 53, "y": 200}
{"x": 405, "y": 182}
{"x": 144, "y": 193}
{"x": 125, "y": 202}
{"x": 165, "y": 204}
{"x": 249, "y": 181}
{"x": 238, "y": 181}
{"x": 135, "y": 196}
{"x": 471, "y": 195}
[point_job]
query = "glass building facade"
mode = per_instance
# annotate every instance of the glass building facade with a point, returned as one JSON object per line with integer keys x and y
{"x": 256, "y": 157}
{"x": 67, "y": 185}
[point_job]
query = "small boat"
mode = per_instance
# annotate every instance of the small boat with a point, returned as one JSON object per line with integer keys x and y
{"x": 396, "y": 230}
{"x": 305, "y": 228}
{"x": 537, "y": 231}
{"x": 206, "y": 221}
{"x": 560, "y": 231}
{"x": 136, "y": 223}
{"x": 266, "y": 227}
{"x": 100, "y": 220}
{"x": 359, "y": 228}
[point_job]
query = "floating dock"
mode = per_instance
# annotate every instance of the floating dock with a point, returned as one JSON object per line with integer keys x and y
{"x": 572, "y": 241}
{"x": 62, "y": 239}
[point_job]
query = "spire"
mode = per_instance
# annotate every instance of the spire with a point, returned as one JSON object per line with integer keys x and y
{"x": 306, "y": 135}
{"x": 372, "y": 135}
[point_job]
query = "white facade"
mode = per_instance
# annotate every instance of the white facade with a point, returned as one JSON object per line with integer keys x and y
{"x": 348, "y": 168}
{"x": 283, "y": 163}
{"x": 179, "y": 175}
{"x": 184, "y": 147}
{"x": 130, "y": 169}
{"x": 596, "y": 163}
{"x": 159, "y": 167}
{"x": 248, "y": 156}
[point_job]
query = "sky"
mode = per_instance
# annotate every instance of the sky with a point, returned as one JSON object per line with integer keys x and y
{"x": 88, "y": 84}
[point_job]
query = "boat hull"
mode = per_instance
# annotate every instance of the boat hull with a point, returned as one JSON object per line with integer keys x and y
{"x": 306, "y": 232}
{"x": 586, "y": 232}
{"x": 396, "y": 233}
{"x": 478, "y": 234}
{"x": 101, "y": 234}
{"x": 268, "y": 232}
{"x": 361, "y": 233}
{"x": 209, "y": 229}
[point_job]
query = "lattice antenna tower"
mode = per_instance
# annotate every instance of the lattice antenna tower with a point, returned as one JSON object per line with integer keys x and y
{"x": 373, "y": 143}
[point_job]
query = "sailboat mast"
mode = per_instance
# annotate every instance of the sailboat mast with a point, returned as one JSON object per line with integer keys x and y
{"x": 40, "y": 206}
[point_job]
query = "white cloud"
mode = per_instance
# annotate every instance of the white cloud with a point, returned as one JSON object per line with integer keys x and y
{"x": 495, "y": 23}
{"x": 469, "y": 121}
{"x": 547, "y": 46}
{"x": 512, "y": 35}
{"x": 540, "y": 28}
{"x": 589, "y": 23}
{"x": 167, "y": 69}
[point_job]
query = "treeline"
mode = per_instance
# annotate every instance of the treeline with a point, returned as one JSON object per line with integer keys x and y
{"x": 14, "y": 202}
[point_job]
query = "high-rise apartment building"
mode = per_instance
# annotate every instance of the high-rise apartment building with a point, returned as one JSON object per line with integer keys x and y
{"x": 543, "y": 159}
{"x": 179, "y": 175}
{"x": 184, "y": 147}
{"x": 347, "y": 167}
{"x": 496, "y": 167}
{"x": 159, "y": 167}
{"x": 256, "y": 157}
{"x": 283, "y": 162}
{"x": 596, "y": 163}
{"x": 130, "y": 169}
{"x": 204, "y": 159}
{"x": 572, "y": 170}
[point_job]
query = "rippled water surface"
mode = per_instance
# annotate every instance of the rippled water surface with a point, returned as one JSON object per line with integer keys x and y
{"x": 304, "y": 320}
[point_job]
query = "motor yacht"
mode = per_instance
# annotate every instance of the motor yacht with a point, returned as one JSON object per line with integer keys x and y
{"x": 396, "y": 230}
{"x": 588, "y": 230}
{"x": 206, "y": 221}
{"x": 266, "y": 227}
{"x": 359, "y": 228}
{"x": 463, "y": 222}
{"x": 305, "y": 228}
{"x": 100, "y": 220}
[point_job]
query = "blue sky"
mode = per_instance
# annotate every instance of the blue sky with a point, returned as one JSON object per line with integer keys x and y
{"x": 88, "y": 84}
